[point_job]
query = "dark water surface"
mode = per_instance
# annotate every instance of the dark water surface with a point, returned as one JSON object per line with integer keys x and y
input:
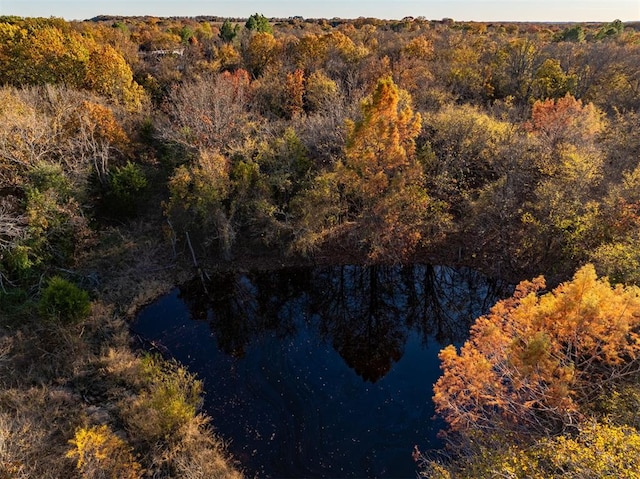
{"x": 323, "y": 372}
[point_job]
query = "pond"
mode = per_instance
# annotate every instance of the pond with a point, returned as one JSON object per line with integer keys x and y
{"x": 321, "y": 372}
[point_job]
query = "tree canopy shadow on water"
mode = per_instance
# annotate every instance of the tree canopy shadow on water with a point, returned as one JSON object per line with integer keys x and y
{"x": 365, "y": 313}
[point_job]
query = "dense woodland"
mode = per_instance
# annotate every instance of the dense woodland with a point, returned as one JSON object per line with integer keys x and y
{"x": 135, "y": 150}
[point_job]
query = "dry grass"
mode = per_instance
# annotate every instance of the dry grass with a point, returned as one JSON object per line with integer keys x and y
{"x": 156, "y": 405}
{"x": 57, "y": 380}
{"x": 35, "y": 425}
{"x": 134, "y": 266}
{"x": 199, "y": 454}
{"x": 39, "y": 407}
{"x": 13, "y": 460}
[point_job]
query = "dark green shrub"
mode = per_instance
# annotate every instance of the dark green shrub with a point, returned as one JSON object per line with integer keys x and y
{"x": 63, "y": 301}
{"x": 53, "y": 225}
{"x": 50, "y": 176}
{"x": 126, "y": 185}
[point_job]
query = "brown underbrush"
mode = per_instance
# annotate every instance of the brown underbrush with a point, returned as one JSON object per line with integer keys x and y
{"x": 76, "y": 400}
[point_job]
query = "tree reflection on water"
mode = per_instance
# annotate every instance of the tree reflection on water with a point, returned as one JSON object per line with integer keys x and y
{"x": 365, "y": 313}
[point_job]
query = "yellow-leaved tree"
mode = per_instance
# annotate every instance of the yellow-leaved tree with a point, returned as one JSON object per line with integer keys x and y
{"x": 561, "y": 216}
{"x": 52, "y": 54}
{"x": 596, "y": 451}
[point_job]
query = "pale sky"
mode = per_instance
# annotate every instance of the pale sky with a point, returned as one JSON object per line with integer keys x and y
{"x": 461, "y": 10}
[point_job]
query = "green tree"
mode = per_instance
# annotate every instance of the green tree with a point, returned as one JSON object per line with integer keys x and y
{"x": 612, "y": 29}
{"x": 228, "y": 31}
{"x": 551, "y": 81}
{"x": 259, "y": 23}
{"x": 575, "y": 33}
{"x": 126, "y": 186}
{"x": 55, "y": 227}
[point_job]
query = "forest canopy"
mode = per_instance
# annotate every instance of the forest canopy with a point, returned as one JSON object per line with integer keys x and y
{"x": 130, "y": 147}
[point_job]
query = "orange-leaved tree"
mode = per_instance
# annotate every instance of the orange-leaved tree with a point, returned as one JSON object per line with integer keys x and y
{"x": 381, "y": 178}
{"x": 533, "y": 361}
{"x": 561, "y": 216}
{"x": 382, "y": 205}
{"x": 565, "y": 120}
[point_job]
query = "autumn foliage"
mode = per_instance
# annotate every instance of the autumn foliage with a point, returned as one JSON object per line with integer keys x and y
{"x": 378, "y": 192}
{"x": 595, "y": 451}
{"x": 509, "y": 148}
{"x": 51, "y": 53}
{"x": 566, "y": 119}
{"x": 535, "y": 358}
